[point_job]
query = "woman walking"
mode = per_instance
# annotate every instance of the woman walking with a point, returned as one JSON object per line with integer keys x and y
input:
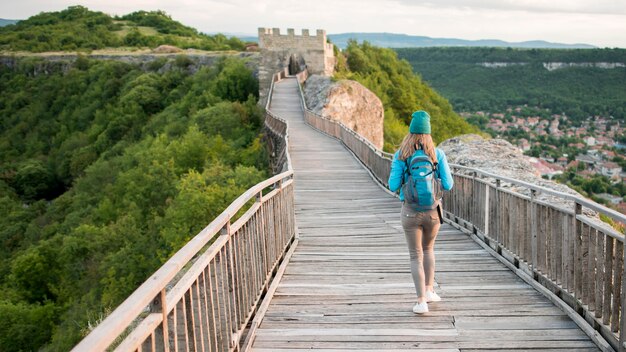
{"x": 421, "y": 170}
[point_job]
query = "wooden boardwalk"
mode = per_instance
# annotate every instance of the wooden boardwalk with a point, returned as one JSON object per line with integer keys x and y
{"x": 347, "y": 286}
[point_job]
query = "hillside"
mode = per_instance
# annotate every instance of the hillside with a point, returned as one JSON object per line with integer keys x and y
{"x": 106, "y": 169}
{"x": 579, "y": 83}
{"x": 396, "y": 40}
{"x": 78, "y": 28}
{"x": 401, "y": 92}
{"x": 393, "y": 40}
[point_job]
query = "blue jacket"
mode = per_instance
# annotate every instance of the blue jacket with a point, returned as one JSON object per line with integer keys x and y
{"x": 398, "y": 168}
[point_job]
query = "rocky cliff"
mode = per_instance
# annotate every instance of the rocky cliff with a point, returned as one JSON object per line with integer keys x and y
{"x": 348, "y": 102}
{"x": 191, "y": 59}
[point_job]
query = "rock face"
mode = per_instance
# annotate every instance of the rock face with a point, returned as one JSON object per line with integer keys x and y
{"x": 500, "y": 157}
{"x": 64, "y": 61}
{"x": 348, "y": 102}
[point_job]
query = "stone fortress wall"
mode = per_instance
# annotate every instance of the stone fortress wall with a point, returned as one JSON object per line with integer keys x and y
{"x": 293, "y": 51}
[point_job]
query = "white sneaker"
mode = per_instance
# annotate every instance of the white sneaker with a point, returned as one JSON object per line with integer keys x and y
{"x": 432, "y": 296}
{"x": 420, "y": 308}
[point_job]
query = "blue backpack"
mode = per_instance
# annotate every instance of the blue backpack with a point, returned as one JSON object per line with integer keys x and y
{"x": 422, "y": 188}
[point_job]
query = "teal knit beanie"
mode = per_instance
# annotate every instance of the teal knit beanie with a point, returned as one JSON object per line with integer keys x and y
{"x": 420, "y": 122}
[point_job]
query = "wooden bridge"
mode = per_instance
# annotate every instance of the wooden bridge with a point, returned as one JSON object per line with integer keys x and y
{"x": 319, "y": 262}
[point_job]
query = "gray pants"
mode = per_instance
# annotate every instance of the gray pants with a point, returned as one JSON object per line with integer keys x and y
{"x": 420, "y": 230}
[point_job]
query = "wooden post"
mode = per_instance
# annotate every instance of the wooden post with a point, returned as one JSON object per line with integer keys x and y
{"x": 622, "y": 323}
{"x": 497, "y": 211}
{"x": 541, "y": 215}
{"x": 472, "y": 209}
{"x": 608, "y": 274}
{"x": 230, "y": 302}
{"x": 158, "y": 305}
{"x": 599, "y": 255}
{"x": 591, "y": 267}
{"x": 533, "y": 228}
{"x": 578, "y": 268}
{"x": 235, "y": 324}
{"x": 487, "y": 229}
{"x": 557, "y": 237}
{"x": 261, "y": 226}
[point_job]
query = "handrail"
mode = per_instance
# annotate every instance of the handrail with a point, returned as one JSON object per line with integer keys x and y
{"x": 617, "y": 216}
{"x": 567, "y": 251}
{"x": 215, "y": 290}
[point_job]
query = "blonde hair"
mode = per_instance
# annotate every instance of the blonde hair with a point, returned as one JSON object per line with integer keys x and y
{"x": 412, "y": 141}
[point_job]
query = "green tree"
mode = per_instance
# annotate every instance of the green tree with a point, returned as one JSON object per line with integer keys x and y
{"x": 401, "y": 92}
{"x": 106, "y": 170}
{"x": 25, "y": 326}
{"x": 78, "y": 28}
{"x": 33, "y": 180}
{"x": 235, "y": 82}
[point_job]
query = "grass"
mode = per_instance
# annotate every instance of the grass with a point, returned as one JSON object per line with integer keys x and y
{"x": 143, "y": 30}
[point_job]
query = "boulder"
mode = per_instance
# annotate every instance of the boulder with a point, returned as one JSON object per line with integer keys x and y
{"x": 348, "y": 102}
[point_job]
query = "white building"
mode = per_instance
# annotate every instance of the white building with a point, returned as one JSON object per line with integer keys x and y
{"x": 611, "y": 170}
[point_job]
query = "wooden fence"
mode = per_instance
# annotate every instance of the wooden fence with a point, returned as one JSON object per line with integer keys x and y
{"x": 203, "y": 298}
{"x": 277, "y": 134}
{"x": 567, "y": 250}
{"x": 562, "y": 244}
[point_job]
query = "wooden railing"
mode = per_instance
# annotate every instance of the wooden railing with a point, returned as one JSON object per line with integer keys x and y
{"x": 278, "y": 132}
{"x": 557, "y": 238}
{"x": 203, "y": 298}
{"x": 567, "y": 250}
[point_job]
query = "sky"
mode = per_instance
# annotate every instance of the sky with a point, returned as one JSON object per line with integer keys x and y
{"x": 597, "y": 22}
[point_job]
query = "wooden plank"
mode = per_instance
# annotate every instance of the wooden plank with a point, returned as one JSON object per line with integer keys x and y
{"x": 348, "y": 350}
{"x": 542, "y": 263}
{"x": 599, "y": 255}
{"x": 568, "y": 255}
{"x": 462, "y": 345}
{"x": 591, "y": 268}
{"x": 557, "y": 221}
{"x": 608, "y": 278}
{"x": 618, "y": 267}
{"x": 578, "y": 253}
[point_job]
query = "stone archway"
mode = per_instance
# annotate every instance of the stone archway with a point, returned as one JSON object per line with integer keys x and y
{"x": 296, "y": 64}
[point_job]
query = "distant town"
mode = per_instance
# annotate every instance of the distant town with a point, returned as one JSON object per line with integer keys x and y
{"x": 588, "y": 155}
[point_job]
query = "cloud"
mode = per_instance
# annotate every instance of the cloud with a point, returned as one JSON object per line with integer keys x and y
{"x": 537, "y": 6}
{"x": 599, "y": 22}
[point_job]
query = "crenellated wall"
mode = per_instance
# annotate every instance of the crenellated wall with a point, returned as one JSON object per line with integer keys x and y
{"x": 293, "y": 51}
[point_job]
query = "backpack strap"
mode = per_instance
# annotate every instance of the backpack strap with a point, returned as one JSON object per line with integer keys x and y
{"x": 406, "y": 170}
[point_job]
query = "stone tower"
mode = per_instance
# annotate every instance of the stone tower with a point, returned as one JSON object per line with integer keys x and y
{"x": 293, "y": 51}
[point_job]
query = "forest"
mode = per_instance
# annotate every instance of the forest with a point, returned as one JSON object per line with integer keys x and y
{"x": 578, "y": 92}
{"x": 105, "y": 171}
{"x": 400, "y": 90}
{"x": 79, "y": 29}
